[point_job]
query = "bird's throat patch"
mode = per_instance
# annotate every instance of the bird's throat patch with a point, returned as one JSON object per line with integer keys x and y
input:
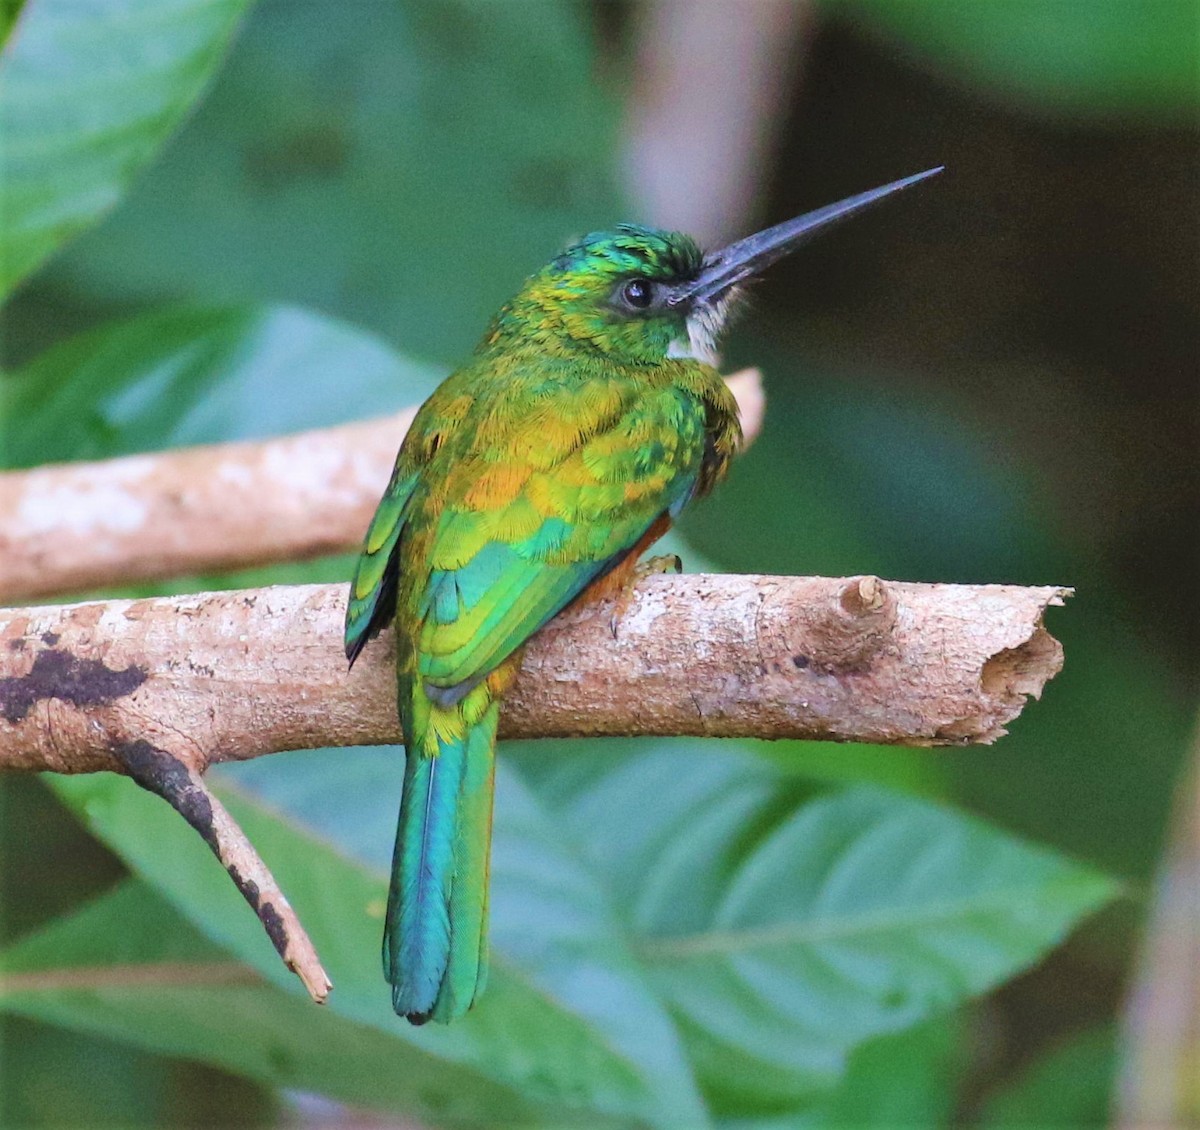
{"x": 704, "y": 326}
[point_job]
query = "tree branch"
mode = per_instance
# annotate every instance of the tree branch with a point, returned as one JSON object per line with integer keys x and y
{"x": 714, "y": 82}
{"x": 76, "y": 526}
{"x": 232, "y": 675}
{"x": 160, "y": 689}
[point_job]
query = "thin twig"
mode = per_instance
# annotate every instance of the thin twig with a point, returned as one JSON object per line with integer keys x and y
{"x": 711, "y": 95}
{"x": 181, "y": 786}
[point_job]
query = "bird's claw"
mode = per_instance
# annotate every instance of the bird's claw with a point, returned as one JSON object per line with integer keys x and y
{"x": 652, "y": 566}
{"x": 664, "y": 563}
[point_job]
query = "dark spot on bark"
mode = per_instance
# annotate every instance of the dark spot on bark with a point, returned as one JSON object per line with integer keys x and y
{"x": 842, "y": 670}
{"x": 274, "y": 927}
{"x": 50, "y": 638}
{"x": 59, "y": 674}
{"x": 800, "y": 662}
{"x": 267, "y": 913}
{"x": 248, "y": 887}
{"x": 17, "y": 644}
{"x": 165, "y": 775}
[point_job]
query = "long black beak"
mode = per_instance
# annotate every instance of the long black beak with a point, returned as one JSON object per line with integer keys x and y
{"x": 750, "y": 256}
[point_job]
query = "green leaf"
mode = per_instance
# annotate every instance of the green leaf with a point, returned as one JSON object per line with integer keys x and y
{"x": 49, "y": 865}
{"x": 88, "y": 93}
{"x": 184, "y": 376}
{"x": 1070, "y": 1086}
{"x": 905, "y": 1078}
{"x": 786, "y": 932}
{"x": 124, "y": 1087}
{"x": 9, "y": 10}
{"x": 902, "y": 1079}
{"x": 405, "y": 166}
{"x": 131, "y": 968}
{"x": 550, "y": 915}
{"x": 1087, "y": 57}
{"x": 566, "y": 1022}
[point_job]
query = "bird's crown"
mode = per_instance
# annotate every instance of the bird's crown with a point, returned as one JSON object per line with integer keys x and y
{"x": 631, "y": 249}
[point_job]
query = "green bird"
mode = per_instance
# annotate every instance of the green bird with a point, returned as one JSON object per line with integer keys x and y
{"x": 535, "y": 476}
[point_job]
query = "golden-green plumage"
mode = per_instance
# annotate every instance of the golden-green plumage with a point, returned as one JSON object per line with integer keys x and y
{"x": 530, "y": 474}
{"x": 588, "y": 417}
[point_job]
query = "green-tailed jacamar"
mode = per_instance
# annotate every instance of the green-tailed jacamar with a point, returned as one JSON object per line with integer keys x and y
{"x": 535, "y": 476}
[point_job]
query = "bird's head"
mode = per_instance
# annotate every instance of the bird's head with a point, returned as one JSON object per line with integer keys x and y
{"x": 642, "y": 295}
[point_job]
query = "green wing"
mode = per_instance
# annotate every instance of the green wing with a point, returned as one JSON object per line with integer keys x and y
{"x": 372, "y": 602}
{"x": 476, "y": 615}
{"x": 532, "y": 530}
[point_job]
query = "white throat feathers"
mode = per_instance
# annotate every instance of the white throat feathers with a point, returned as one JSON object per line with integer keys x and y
{"x": 704, "y": 326}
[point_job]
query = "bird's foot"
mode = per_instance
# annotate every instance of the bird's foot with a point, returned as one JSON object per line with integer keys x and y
{"x": 663, "y": 563}
{"x": 650, "y": 567}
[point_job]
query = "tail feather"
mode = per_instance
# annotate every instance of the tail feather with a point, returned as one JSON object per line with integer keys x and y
{"x": 434, "y": 946}
{"x": 416, "y": 942}
{"x": 466, "y": 972}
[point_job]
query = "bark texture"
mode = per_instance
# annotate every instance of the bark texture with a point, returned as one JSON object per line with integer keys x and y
{"x": 233, "y": 675}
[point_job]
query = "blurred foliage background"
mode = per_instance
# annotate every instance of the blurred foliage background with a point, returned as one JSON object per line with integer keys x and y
{"x": 227, "y": 219}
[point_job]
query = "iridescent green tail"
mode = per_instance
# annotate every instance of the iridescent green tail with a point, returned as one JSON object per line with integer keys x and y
{"x": 435, "y": 936}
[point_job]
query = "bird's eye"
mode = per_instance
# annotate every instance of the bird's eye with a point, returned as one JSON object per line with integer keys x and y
{"x": 638, "y": 293}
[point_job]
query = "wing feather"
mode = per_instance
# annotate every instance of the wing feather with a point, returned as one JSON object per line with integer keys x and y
{"x": 506, "y": 558}
{"x": 372, "y": 602}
